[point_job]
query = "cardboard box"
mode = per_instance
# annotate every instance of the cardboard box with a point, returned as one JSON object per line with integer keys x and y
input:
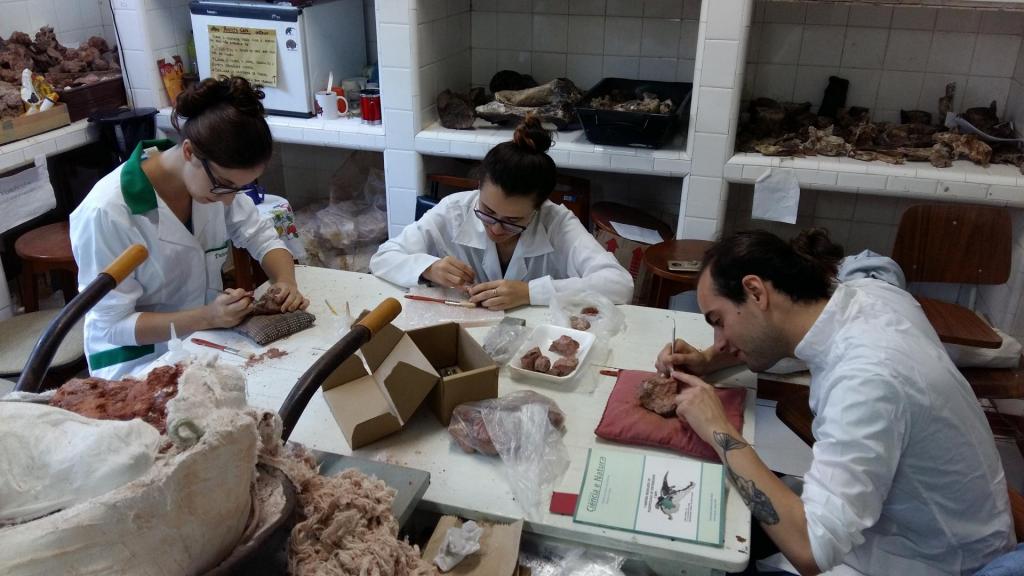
{"x": 467, "y": 372}
{"x": 498, "y": 554}
{"x": 630, "y": 255}
{"x": 371, "y": 405}
{"x": 12, "y": 129}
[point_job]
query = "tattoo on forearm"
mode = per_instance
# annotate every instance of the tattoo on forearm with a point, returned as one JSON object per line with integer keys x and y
{"x": 760, "y": 506}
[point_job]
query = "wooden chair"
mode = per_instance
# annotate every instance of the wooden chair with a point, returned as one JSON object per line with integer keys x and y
{"x": 955, "y": 243}
{"x": 46, "y": 249}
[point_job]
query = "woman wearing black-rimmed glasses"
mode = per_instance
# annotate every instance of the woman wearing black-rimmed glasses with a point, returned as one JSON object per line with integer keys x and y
{"x": 183, "y": 203}
{"x": 505, "y": 243}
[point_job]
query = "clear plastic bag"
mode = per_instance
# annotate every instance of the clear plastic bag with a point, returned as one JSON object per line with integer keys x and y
{"x": 588, "y": 311}
{"x": 552, "y": 559}
{"x": 504, "y": 339}
{"x": 524, "y": 429}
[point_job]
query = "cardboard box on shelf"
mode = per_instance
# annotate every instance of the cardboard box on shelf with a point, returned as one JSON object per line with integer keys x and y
{"x": 499, "y": 548}
{"x": 371, "y": 405}
{"x": 467, "y": 373}
{"x": 27, "y": 125}
{"x": 630, "y": 255}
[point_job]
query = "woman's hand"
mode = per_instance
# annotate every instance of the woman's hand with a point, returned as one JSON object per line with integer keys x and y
{"x": 288, "y": 296}
{"x": 684, "y": 357}
{"x": 500, "y": 294}
{"x": 229, "y": 308}
{"x": 449, "y": 272}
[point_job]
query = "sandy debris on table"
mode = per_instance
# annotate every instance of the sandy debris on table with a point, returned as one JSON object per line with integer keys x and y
{"x": 348, "y": 527}
{"x": 268, "y": 355}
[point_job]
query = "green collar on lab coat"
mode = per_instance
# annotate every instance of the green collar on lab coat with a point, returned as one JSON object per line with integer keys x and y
{"x": 135, "y": 185}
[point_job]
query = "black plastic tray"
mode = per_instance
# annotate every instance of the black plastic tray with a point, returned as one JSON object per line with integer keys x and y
{"x": 616, "y": 128}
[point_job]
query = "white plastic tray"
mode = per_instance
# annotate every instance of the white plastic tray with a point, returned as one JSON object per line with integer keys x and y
{"x": 542, "y": 337}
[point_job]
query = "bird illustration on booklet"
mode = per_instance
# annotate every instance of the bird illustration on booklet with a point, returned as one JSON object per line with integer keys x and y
{"x": 676, "y": 498}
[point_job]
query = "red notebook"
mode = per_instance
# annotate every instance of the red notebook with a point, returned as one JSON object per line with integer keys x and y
{"x": 626, "y": 421}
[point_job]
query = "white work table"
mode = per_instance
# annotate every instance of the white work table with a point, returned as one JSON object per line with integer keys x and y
{"x": 474, "y": 485}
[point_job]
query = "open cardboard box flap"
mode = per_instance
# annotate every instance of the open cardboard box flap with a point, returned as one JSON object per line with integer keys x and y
{"x": 368, "y": 406}
{"x": 450, "y": 345}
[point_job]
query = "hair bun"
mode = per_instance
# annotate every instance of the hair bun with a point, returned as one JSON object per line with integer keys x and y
{"x": 530, "y": 135}
{"x": 209, "y": 93}
{"x": 816, "y": 245}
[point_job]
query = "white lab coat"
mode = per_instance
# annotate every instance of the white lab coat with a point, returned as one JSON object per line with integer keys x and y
{"x": 183, "y": 270}
{"x": 905, "y": 477}
{"x": 554, "y": 254}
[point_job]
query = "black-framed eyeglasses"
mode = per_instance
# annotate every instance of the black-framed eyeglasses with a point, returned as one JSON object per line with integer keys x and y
{"x": 218, "y": 189}
{"x": 509, "y": 227}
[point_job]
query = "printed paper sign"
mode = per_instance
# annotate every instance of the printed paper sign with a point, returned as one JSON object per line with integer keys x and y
{"x": 247, "y": 52}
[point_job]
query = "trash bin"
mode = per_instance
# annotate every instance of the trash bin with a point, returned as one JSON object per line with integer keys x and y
{"x": 121, "y": 130}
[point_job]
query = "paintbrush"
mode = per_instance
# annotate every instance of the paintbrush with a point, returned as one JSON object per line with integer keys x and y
{"x": 222, "y": 348}
{"x": 464, "y": 304}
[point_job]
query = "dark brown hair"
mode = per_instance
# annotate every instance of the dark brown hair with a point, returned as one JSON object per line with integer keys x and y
{"x": 521, "y": 167}
{"x": 224, "y": 121}
{"x": 803, "y": 268}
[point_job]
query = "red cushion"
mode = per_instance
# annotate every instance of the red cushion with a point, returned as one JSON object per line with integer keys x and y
{"x": 626, "y": 421}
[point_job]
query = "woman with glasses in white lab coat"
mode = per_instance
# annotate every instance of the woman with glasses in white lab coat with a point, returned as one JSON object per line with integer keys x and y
{"x": 505, "y": 244}
{"x": 183, "y": 203}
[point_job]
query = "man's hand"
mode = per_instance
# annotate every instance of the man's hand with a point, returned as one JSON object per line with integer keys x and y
{"x": 500, "y": 294}
{"x": 449, "y": 272}
{"x": 229, "y": 308}
{"x": 701, "y": 408}
{"x": 288, "y": 297}
{"x": 684, "y": 357}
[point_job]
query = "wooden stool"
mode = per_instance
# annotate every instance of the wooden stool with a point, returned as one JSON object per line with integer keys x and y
{"x": 664, "y": 283}
{"x": 42, "y": 250}
{"x": 603, "y": 213}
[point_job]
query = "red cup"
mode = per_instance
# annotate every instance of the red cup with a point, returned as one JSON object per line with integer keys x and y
{"x": 369, "y": 101}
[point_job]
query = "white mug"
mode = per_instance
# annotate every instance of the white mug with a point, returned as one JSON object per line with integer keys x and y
{"x": 327, "y": 101}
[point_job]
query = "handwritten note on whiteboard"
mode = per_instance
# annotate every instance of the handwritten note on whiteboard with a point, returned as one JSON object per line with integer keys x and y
{"x": 247, "y": 52}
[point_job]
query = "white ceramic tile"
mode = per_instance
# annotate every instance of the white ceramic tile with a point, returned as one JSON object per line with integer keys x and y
{"x": 45, "y": 147}
{"x": 161, "y": 35}
{"x": 550, "y": 6}
{"x": 396, "y": 52}
{"x": 12, "y": 159}
{"x": 870, "y": 15}
{"x": 660, "y": 38}
{"x": 585, "y": 70}
{"x": 621, "y": 66}
{"x": 958, "y": 20}
{"x": 811, "y": 82}
{"x": 995, "y": 55}
{"x": 520, "y": 61}
{"x": 401, "y": 205}
{"x": 908, "y": 50}
{"x": 865, "y": 47}
{"x": 429, "y": 10}
{"x": 433, "y": 146}
{"x": 876, "y": 209}
{"x": 132, "y": 30}
{"x": 136, "y": 62}
{"x": 827, "y": 13}
{"x": 632, "y": 163}
{"x": 951, "y": 52}
{"x": 688, "y": 37}
{"x": 548, "y": 66}
{"x": 586, "y": 35}
{"x": 835, "y": 206}
{"x": 899, "y": 90}
{"x": 69, "y": 16}
{"x": 403, "y": 168}
{"x": 863, "y": 86}
{"x": 515, "y": 5}
{"x": 866, "y": 236}
{"x": 663, "y": 9}
{"x": 673, "y": 166}
{"x": 459, "y": 6}
{"x": 915, "y": 185}
{"x": 662, "y": 69}
{"x": 934, "y": 87}
{"x": 714, "y": 110}
{"x": 914, "y": 17}
{"x": 780, "y": 43}
{"x": 485, "y": 29}
{"x": 624, "y": 8}
{"x": 775, "y": 81}
{"x": 703, "y": 197}
{"x": 622, "y": 36}
{"x": 724, "y": 19}
{"x": 720, "y": 62}
{"x": 869, "y": 182}
{"x": 550, "y": 32}
{"x": 962, "y": 190}
{"x": 515, "y": 31}
{"x": 982, "y": 90}
{"x": 16, "y": 19}
{"x": 822, "y": 46}
{"x": 1006, "y": 193}
{"x": 691, "y": 8}
{"x": 393, "y": 11}
{"x": 588, "y": 160}
{"x": 398, "y": 130}
{"x": 485, "y": 64}
{"x": 588, "y": 7}
{"x": 785, "y": 12}
{"x": 685, "y": 70}
{"x": 429, "y": 36}
{"x": 699, "y": 229}
{"x": 142, "y": 98}
{"x": 41, "y": 13}
{"x": 709, "y": 154}
{"x": 1001, "y": 22}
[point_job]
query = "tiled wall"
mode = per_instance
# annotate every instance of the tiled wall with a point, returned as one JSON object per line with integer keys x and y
{"x": 443, "y": 46}
{"x": 585, "y": 40}
{"x": 74, "y": 21}
{"x": 894, "y": 56}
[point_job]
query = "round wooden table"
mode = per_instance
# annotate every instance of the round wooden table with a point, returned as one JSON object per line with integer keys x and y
{"x": 45, "y": 249}
{"x": 665, "y": 283}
